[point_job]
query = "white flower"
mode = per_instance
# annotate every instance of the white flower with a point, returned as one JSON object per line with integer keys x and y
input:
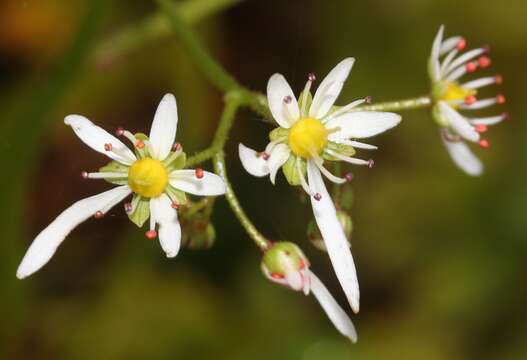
{"x": 310, "y": 132}
{"x": 152, "y": 174}
{"x": 285, "y": 264}
{"x": 447, "y": 65}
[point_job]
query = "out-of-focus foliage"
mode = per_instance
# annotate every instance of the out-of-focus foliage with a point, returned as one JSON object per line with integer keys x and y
{"x": 440, "y": 256}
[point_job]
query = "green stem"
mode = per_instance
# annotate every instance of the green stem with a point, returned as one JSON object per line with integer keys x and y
{"x": 153, "y": 28}
{"x": 399, "y": 105}
{"x": 210, "y": 68}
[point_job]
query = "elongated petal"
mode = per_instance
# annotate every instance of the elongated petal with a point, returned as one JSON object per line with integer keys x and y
{"x": 362, "y": 124}
{"x": 209, "y": 185}
{"x": 336, "y": 243}
{"x": 164, "y": 126}
{"x": 335, "y": 313}
{"x": 463, "y": 157}
{"x": 47, "y": 242}
{"x": 252, "y": 162}
{"x": 278, "y": 158}
{"x": 282, "y": 101}
{"x": 99, "y": 139}
{"x": 458, "y": 123}
{"x": 330, "y": 88}
{"x": 169, "y": 229}
{"x": 434, "y": 64}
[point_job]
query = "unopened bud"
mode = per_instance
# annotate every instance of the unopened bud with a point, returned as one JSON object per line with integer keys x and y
{"x": 315, "y": 237}
{"x": 285, "y": 264}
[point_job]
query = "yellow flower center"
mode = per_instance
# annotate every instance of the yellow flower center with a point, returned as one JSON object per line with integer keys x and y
{"x": 455, "y": 92}
{"x": 308, "y": 137}
{"x": 148, "y": 177}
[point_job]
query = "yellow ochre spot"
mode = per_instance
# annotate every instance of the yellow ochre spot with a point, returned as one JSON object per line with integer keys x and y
{"x": 455, "y": 92}
{"x": 308, "y": 137}
{"x": 148, "y": 177}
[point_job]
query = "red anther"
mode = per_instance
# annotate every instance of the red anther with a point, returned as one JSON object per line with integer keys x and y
{"x": 177, "y": 147}
{"x": 302, "y": 264}
{"x": 506, "y": 116}
{"x": 471, "y": 99}
{"x": 481, "y": 128}
{"x": 151, "y": 234}
{"x": 368, "y": 99}
{"x": 265, "y": 155}
{"x": 119, "y": 131}
{"x": 277, "y": 276}
{"x": 84, "y": 174}
{"x": 99, "y": 215}
{"x": 311, "y": 77}
{"x": 484, "y": 143}
{"x": 128, "y": 207}
{"x": 108, "y": 147}
{"x": 199, "y": 173}
{"x": 371, "y": 163}
{"x": 500, "y": 99}
{"x": 461, "y": 44}
{"x": 288, "y": 99}
{"x": 317, "y": 196}
{"x": 484, "y": 61}
{"x": 471, "y": 67}
{"x": 498, "y": 79}
{"x": 175, "y": 205}
{"x": 139, "y": 144}
{"x": 348, "y": 177}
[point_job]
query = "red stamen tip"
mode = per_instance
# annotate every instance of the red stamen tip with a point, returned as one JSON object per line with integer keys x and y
{"x": 484, "y": 144}
{"x": 302, "y": 264}
{"x": 469, "y": 100}
{"x": 265, "y": 156}
{"x": 119, "y": 131}
{"x": 371, "y": 163}
{"x": 311, "y": 77}
{"x": 288, "y": 99}
{"x": 277, "y": 276}
{"x": 349, "y": 177}
{"x": 99, "y": 215}
{"x": 177, "y": 147}
{"x": 175, "y": 205}
{"x": 199, "y": 173}
{"x": 368, "y": 99}
{"x": 484, "y": 61}
{"x": 317, "y": 196}
{"x": 471, "y": 67}
{"x": 506, "y": 116}
{"x": 84, "y": 174}
{"x": 500, "y": 99}
{"x": 481, "y": 128}
{"x": 108, "y": 147}
{"x": 462, "y": 44}
{"x": 128, "y": 207}
{"x": 499, "y": 79}
{"x": 139, "y": 144}
{"x": 151, "y": 234}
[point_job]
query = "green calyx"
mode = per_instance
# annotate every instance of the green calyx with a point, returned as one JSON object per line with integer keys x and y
{"x": 283, "y": 256}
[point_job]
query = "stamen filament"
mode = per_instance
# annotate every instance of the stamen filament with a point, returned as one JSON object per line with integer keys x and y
{"x": 107, "y": 175}
{"x": 337, "y": 180}
{"x": 303, "y": 181}
{"x": 348, "y": 159}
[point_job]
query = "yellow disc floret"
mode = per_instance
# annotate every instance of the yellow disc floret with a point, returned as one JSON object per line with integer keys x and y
{"x": 452, "y": 92}
{"x": 148, "y": 177}
{"x": 308, "y": 137}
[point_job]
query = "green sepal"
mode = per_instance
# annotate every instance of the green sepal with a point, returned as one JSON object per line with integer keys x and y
{"x": 141, "y": 212}
{"x": 278, "y": 133}
{"x": 439, "y": 118}
{"x": 291, "y": 172}
{"x": 177, "y": 163}
{"x": 342, "y": 149}
{"x": 114, "y": 166}
{"x": 309, "y": 100}
{"x": 179, "y": 196}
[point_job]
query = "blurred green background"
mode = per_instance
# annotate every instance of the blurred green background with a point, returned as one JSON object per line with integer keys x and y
{"x": 440, "y": 255}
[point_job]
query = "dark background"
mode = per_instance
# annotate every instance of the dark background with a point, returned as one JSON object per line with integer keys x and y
{"x": 440, "y": 255}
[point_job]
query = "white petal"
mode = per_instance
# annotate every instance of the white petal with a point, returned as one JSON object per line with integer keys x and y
{"x": 253, "y": 163}
{"x": 209, "y": 185}
{"x": 458, "y": 123}
{"x": 434, "y": 57}
{"x": 362, "y": 124}
{"x": 329, "y": 89}
{"x": 47, "y": 242}
{"x": 164, "y": 126}
{"x": 336, "y": 243}
{"x": 449, "y": 44}
{"x": 335, "y": 313}
{"x": 460, "y": 61}
{"x": 97, "y": 138}
{"x": 285, "y": 114}
{"x": 463, "y": 157}
{"x": 278, "y": 158}
{"x": 169, "y": 229}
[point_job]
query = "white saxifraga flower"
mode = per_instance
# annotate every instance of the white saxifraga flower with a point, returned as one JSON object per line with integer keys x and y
{"x": 447, "y": 65}
{"x": 285, "y": 264}
{"x": 311, "y": 131}
{"x": 153, "y": 174}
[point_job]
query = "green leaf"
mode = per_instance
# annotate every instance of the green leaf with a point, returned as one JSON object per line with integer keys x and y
{"x": 177, "y": 163}
{"x": 114, "y": 166}
{"x": 278, "y": 133}
{"x": 141, "y": 211}
{"x": 342, "y": 149}
{"x": 291, "y": 172}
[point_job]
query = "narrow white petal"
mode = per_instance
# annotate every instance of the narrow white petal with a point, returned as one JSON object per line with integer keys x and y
{"x": 335, "y": 313}
{"x": 479, "y": 83}
{"x": 447, "y": 60}
{"x": 252, "y": 162}
{"x": 286, "y": 113}
{"x": 169, "y": 229}
{"x": 434, "y": 57}
{"x": 449, "y": 44}
{"x": 336, "y": 243}
{"x": 480, "y": 104}
{"x": 458, "y": 123}
{"x": 98, "y": 139}
{"x": 164, "y": 126}
{"x": 491, "y": 120}
{"x": 460, "y": 61}
{"x": 209, "y": 185}
{"x": 47, "y": 242}
{"x": 361, "y": 124}
{"x": 329, "y": 89}
{"x": 278, "y": 157}
{"x": 463, "y": 157}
